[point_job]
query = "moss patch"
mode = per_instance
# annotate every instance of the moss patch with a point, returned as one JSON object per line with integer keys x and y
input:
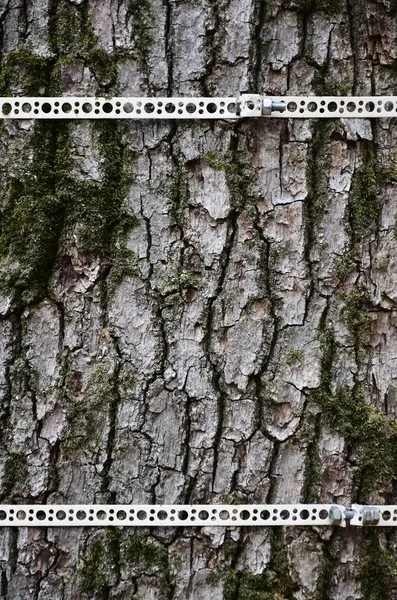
{"x": 44, "y": 201}
{"x": 273, "y": 584}
{"x": 99, "y": 207}
{"x": 325, "y": 84}
{"x": 318, "y": 165}
{"x": 178, "y": 280}
{"x": 86, "y": 422}
{"x": 373, "y": 435}
{"x": 100, "y": 564}
{"x": 14, "y": 476}
{"x": 178, "y": 193}
{"x": 393, "y": 8}
{"x": 32, "y": 219}
{"x": 378, "y": 570}
{"x": 241, "y": 177}
{"x": 364, "y": 200}
{"x": 140, "y": 13}
{"x": 357, "y": 317}
{"x": 28, "y": 73}
{"x": 116, "y": 551}
{"x": 72, "y": 37}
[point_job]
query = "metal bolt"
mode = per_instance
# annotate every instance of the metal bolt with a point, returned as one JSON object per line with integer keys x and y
{"x": 269, "y": 106}
{"x": 350, "y": 514}
{"x": 279, "y": 107}
{"x": 335, "y": 515}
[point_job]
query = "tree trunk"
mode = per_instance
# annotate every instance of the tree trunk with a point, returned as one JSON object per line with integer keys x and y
{"x": 198, "y": 311}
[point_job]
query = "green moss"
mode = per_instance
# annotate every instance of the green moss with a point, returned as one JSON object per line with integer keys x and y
{"x": 70, "y": 30}
{"x": 86, "y": 422}
{"x": 25, "y": 72}
{"x": 100, "y": 564}
{"x": 178, "y": 280}
{"x": 32, "y": 219}
{"x": 142, "y": 554}
{"x": 14, "y": 476}
{"x": 331, "y": 563}
{"x": 387, "y": 173}
{"x": 343, "y": 263}
{"x": 294, "y": 355}
{"x": 99, "y": 207}
{"x": 72, "y": 36}
{"x": 377, "y": 570}
{"x": 357, "y": 318}
{"x": 318, "y": 165}
{"x": 44, "y": 201}
{"x": 274, "y": 583}
{"x": 178, "y": 193}
{"x": 364, "y": 201}
{"x": 139, "y": 556}
{"x": 241, "y": 177}
{"x": 124, "y": 263}
{"x": 373, "y": 435}
{"x": 325, "y": 84}
{"x": 312, "y": 461}
{"x": 141, "y": 14}
{"x": 115, "y": 551}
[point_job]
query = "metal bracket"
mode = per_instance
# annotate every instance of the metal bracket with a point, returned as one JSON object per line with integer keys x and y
{"x": 373, "y": 515}
{"x": 241, "y": 106}
{"x": 199, "y": 515}
{"x": 173, "y": 515}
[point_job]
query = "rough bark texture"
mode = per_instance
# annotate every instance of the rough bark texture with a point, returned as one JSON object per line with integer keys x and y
{"x": 198, "y": 311}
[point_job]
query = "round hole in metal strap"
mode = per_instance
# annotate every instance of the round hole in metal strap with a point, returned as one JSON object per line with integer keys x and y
{"x": 245, "y": 515}
{"x": 128, "y": 107}
{"x": 224, "y": 515}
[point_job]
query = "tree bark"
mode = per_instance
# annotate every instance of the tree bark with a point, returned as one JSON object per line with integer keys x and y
{"x": 198, "y": 312}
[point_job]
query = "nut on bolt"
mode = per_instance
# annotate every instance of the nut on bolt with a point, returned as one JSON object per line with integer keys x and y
{"x": 269, "y": 106}
{"x": 371, "y": 515}
{"x": 336, "y": 515}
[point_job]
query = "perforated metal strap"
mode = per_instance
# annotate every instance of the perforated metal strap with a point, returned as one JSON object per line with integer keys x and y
{"x": 305, "y": 107}
{"x": 374, "y": 516}
{"x": 170, "y": 515}
{"x": 246, "y": 105}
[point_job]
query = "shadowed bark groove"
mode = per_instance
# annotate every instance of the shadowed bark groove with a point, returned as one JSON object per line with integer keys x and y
{"x": 198, "y": 311}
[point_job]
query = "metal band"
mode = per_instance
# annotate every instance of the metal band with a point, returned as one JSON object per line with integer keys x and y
{"x": 379, "y": 516}
{"x": 241, "y": 106}
{"x": 118, "y": 108}
{"x": 171, "y": 515}
{"x": 305, "y": 107}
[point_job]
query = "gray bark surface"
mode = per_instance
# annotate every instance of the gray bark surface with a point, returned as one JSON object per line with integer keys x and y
{"x": 198, "y": 312}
